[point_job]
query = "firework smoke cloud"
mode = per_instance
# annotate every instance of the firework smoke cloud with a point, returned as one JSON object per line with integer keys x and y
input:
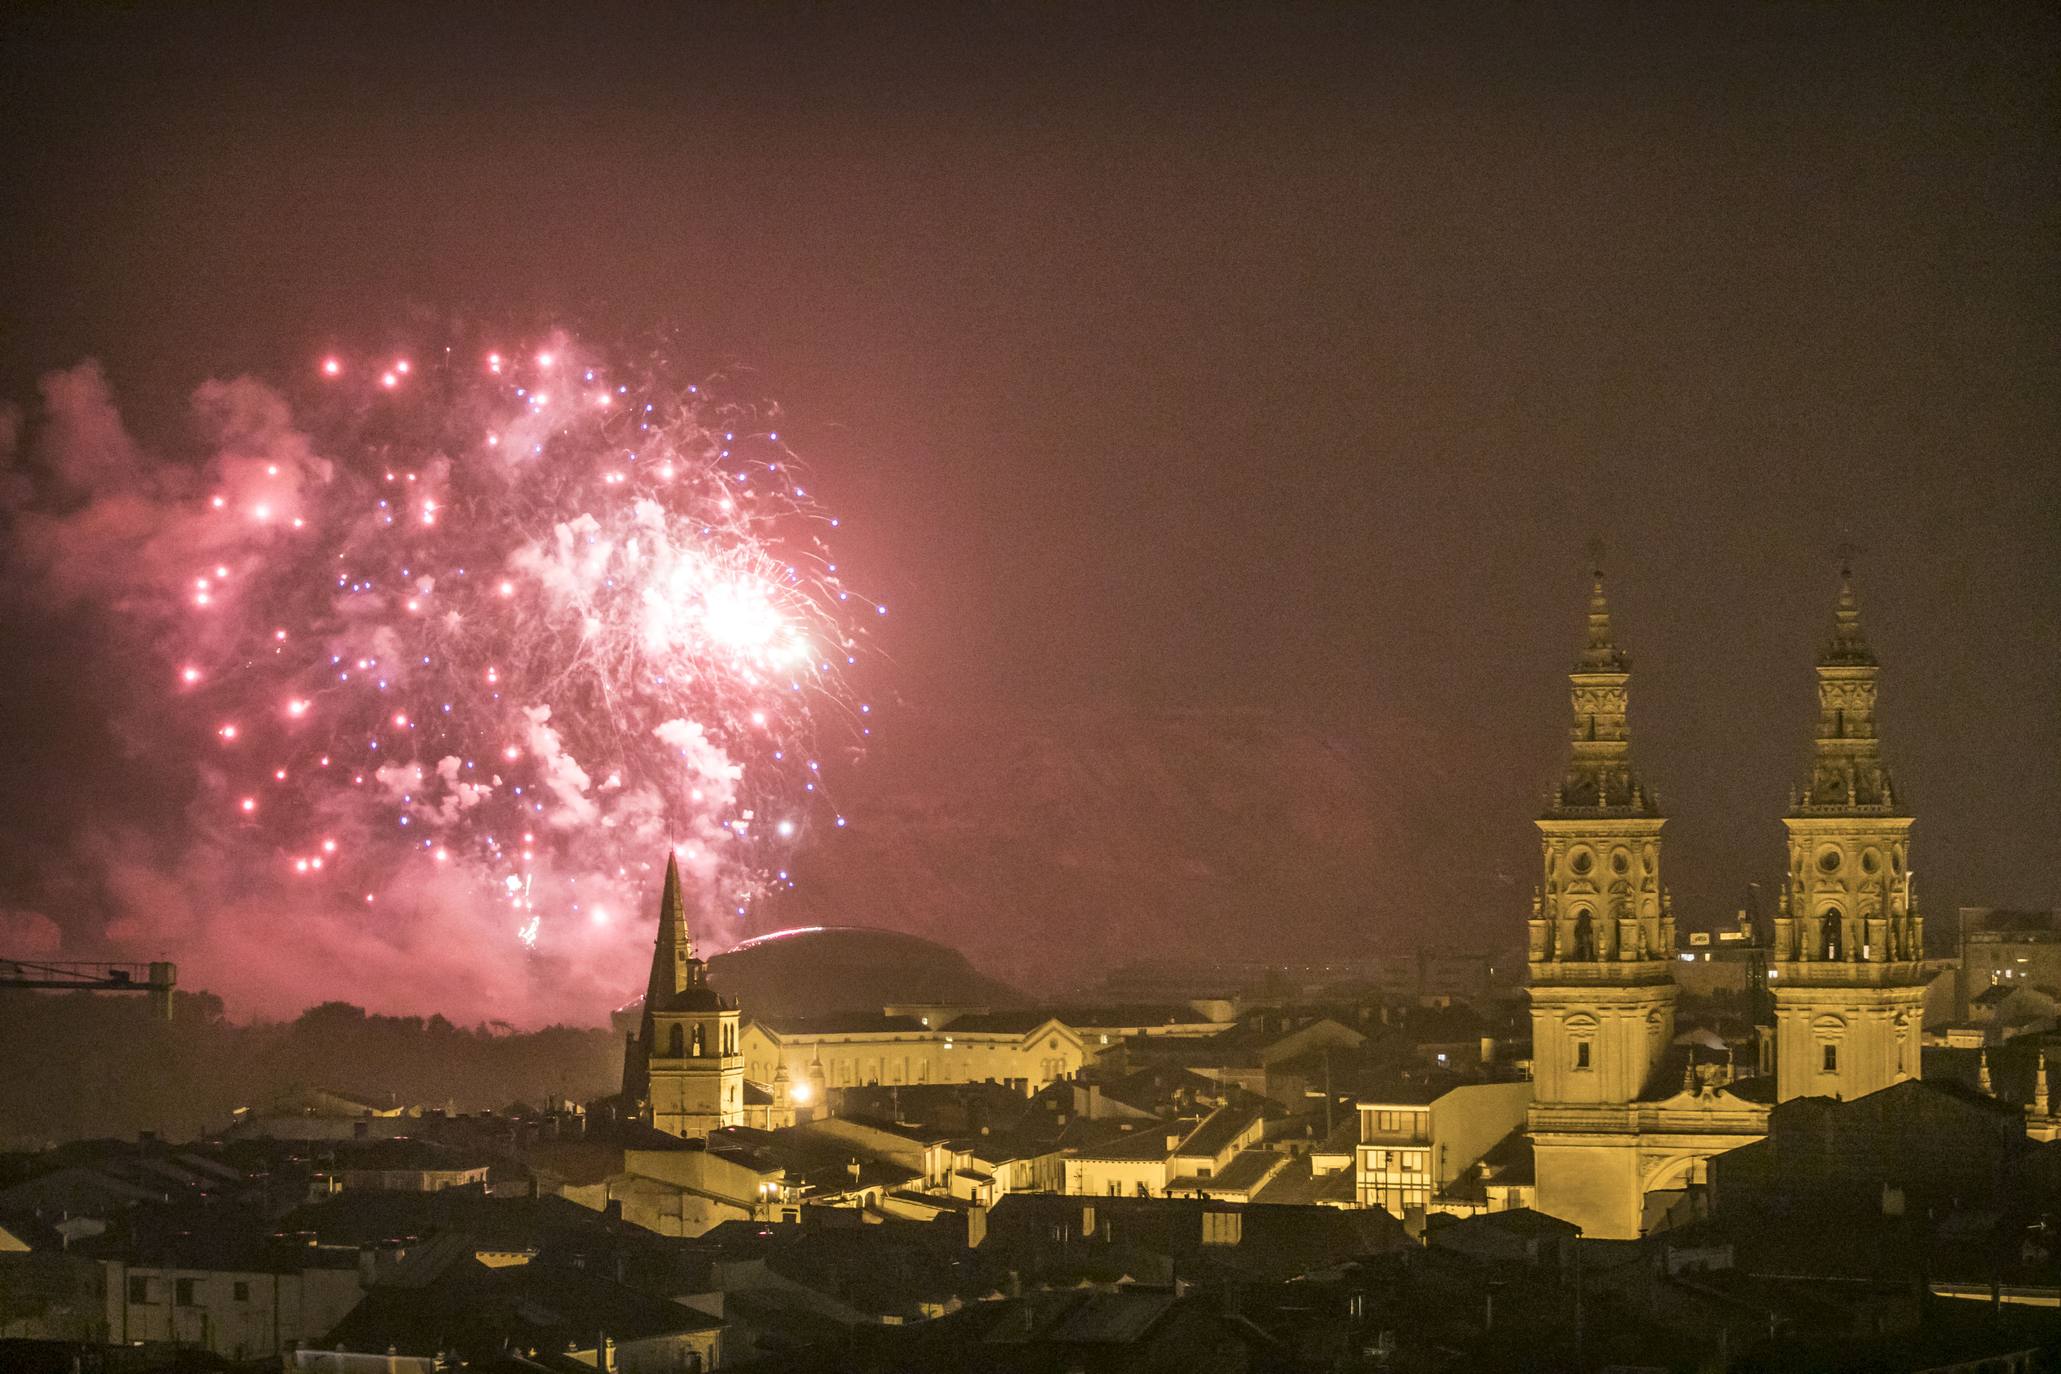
{"x": 457, "y": 647}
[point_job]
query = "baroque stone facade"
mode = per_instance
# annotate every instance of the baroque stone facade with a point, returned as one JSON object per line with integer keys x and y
{"x": 1847, "y": 969}
{"x": 1623, "y": 1120}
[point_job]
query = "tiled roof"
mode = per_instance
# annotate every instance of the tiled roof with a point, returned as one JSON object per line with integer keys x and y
{"x": 1148, "y": 1141}
{"x": 469, "y": 1308}
{"x": 1218, "y": 1130}
{"x": 1298, "y": 1185}
{"x": 999, "y": 1022}
{"x": 1245, "y": 1171}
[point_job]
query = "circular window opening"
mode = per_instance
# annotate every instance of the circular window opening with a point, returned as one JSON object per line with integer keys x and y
{"x": 1581, "y": 861}
{"x": 1870, "y": 861}
{"x": 1829, "y": 860}
{"x": 1620, "y": 862}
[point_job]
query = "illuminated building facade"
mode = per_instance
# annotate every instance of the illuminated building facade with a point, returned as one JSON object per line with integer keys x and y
{"x": 1848, "y": 969}
{"x": 1623, "y": 1120}
{"x": 1608, "y": 1128}
{"x": 804, "y": 1057}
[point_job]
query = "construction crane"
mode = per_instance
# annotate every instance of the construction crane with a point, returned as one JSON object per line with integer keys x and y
{"x": 157, "y": 979}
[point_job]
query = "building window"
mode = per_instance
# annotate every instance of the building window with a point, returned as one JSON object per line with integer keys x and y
{"x": 1831, "y": 1053}
{"x": 1581, "y": 1054}
{"x": 241, "y": 1291}
{"x": 1397, "y": 1123}
{"x": 139, "y": 1289}
{"x": 183, "y": 1292}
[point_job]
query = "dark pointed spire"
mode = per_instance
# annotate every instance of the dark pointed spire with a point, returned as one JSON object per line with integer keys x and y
{"x": 674, "y": 951}
{"x": 672, "y": 908}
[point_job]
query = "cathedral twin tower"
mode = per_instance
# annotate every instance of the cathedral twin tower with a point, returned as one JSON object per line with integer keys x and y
{"x": 1614, "y": 1119}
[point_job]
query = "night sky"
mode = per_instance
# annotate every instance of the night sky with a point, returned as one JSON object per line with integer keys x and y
{"x": 1278, "y": 365}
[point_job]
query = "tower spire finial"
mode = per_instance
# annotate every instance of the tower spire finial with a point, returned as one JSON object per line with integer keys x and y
{"x": 1602, "y": 654}
{"x": 1849, "y": 644}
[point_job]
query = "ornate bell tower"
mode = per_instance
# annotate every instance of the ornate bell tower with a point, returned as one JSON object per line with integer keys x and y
{"x": 1848, "y": 969}
{"x": 684, "y": 1069}
{"x": 1602, "y": 934}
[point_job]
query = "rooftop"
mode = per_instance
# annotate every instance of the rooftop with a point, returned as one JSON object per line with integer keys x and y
{"x": 1218, "y": 1130}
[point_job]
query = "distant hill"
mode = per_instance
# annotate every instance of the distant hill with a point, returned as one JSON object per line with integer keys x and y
{"x": 1048, "y": 846}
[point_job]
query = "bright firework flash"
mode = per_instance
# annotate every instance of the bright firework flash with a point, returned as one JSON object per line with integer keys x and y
{"x": 490, "y": 631}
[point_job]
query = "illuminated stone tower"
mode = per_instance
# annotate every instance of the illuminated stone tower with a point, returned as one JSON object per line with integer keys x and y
{"x": 1848, "y": 968}
{"x": 683, "y": 1068}
{"x": 1601, "y": 938}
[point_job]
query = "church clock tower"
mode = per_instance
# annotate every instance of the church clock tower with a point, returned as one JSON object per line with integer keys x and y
{"x": 1601, "y": 939}
{"x": 684, "y": 1069}
{"x": 1848, "y": 969}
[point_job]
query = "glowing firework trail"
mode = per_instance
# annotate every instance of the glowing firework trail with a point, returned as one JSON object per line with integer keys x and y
{"x": 520, "y": 619}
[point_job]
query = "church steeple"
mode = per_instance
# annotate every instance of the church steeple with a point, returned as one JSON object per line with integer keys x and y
{"x": 1602, "y": 655}
{"x": 1601, "y": 899}
{"x": 1599, "y": 777}
{"x": 683, "y": 1069}
{"x": 673, "y": 965}
{"x": 1601, "y": 942}
{"x": 1849, "y": 944}
{"x": 1848, "y": 644}
{"x": 1847, "y": 773}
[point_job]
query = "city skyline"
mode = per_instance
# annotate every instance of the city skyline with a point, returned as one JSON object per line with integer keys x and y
{"x": 1224, "y": 408}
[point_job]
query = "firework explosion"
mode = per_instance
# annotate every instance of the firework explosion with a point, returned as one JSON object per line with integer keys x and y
{"x": 499, "y": 629}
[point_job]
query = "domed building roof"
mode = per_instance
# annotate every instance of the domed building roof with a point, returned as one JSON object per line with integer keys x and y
{"x": 811, "y": 970}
